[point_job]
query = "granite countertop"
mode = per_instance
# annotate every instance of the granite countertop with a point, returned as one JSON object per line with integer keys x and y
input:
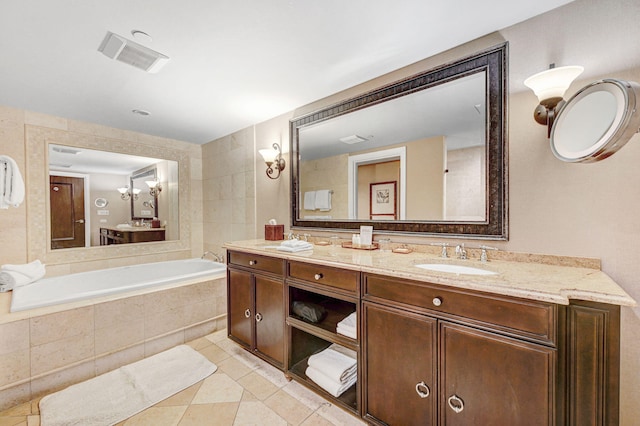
{"x": 555, "y": 283}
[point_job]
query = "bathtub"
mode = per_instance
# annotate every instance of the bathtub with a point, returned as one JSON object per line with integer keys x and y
{"x": 103, "y": 282}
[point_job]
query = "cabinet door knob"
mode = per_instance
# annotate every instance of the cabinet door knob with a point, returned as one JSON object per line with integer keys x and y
{"x": 318, "y": 276}
{"x": 456, "y": 403}
{"x": 247, "y": 313}
{"x": 253, "y": 262}
{"x": 422, "y": 389}
{"x": 258, "y": 317}
{"x": 437, "y": 301}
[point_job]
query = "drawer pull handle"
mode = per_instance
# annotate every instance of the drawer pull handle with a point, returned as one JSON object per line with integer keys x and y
{"x": 258, "y": 317}
{"x": 456, "y": 404}
{"x": 318, "y": 276}
{"x": 247, "y": 313}
{"x": 437, "y": 301}
{"x": 422, "y": 390}
{"x": 253, "y": 262}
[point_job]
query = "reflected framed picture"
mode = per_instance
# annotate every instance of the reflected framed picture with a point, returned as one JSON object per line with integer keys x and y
{"x": 382, "y": 200}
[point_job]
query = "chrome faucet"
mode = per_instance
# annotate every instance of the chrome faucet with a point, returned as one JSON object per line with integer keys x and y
{"x": 461, "y": 252}
{"x": 218, "y": 258}
{"x": 483, "y": 254}
{"x": 444, "y": 246}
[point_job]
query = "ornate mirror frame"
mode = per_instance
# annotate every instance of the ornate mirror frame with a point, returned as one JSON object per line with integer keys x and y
{"x": 494, "y": 62}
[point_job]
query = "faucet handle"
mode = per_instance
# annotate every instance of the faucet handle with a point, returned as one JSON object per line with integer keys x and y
{"x": 444, "y": 246}
{"x": 483, "y": 254}
{"x": 461, "y": 252}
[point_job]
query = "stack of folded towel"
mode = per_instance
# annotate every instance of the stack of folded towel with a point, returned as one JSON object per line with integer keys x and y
{"x": 295, "y": 245}
{"x": 334, "y": 369}
{"x": 348, "y": 326}
{"x": 12, "y": 276}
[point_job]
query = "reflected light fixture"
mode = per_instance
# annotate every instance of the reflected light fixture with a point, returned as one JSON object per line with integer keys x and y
{"x": 126, "y": 195}
{"x": 550, "y": 86}
{"x": 154, "y": 187}
{"x": 275, "y": 161}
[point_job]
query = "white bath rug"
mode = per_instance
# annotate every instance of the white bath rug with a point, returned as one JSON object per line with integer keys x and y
{"x": 119, "y": 394}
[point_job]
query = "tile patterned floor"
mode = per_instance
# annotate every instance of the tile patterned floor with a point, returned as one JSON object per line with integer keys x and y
{"x": 243, "y": 391}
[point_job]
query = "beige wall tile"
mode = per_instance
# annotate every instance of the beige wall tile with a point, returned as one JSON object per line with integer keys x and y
{"x": 118, "y": 336}
{"x": 14, "y": 395}
{"x": 14, "y": 367}
{"x": 61, "y": 379}
{"x": 14, "y": 336}
{"x": 154, "y": 346}
{"x": 62, "y": 325}
{"x": 118, "y": 312}
{"x": 59, "y": 353}
{"x": 118, "y": 359}
{"x": 163, "y": 322}
{"x": 200, "y": 330}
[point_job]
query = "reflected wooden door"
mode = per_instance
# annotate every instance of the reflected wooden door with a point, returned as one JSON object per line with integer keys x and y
{"x": 67, "y": 211}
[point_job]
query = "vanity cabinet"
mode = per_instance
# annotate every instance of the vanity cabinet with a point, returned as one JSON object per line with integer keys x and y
{"x": 337, "y": 292}
{"x": 110, "y": 236}
{"x": 431, "y": 354}
{"x": 255, "y": 305}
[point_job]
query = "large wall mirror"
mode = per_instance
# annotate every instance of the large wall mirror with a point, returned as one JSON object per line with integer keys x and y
{"x": 423, "y": 155}
{"x": 112, "y": 177}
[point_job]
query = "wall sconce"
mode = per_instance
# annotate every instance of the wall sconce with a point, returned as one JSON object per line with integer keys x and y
{"x": 275, "y": 161}
{"x": 126, "y": 195}
{"x": 154, "y": 187}
{"x": 550, "y": 86}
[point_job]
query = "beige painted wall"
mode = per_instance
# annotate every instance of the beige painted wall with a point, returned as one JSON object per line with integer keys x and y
{"x": 465, "y": 184}
{"x": 555, "y": 208}
{"x": 326, "y": 173}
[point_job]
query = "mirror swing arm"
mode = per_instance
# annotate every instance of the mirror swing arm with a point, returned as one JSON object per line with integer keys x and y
{"x": 493, "y": 61}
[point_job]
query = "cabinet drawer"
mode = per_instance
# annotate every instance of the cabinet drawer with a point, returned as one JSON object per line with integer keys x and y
{"x": 257, "y": 263}
{"x": 339, "y": 278}
{"x": 530, "y": 319}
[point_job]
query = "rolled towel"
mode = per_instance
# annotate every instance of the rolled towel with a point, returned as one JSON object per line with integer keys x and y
{"x": 334, "y": 388}
{"x": 12, "y": 276}
{"x": 13, "y": 189}
{"x": 336, "y": 362}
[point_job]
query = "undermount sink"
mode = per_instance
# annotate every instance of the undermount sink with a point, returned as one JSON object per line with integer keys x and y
{"x": 455, "y": 269}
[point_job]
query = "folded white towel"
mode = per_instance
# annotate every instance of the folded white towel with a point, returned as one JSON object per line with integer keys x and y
{"x": 336, "y": 362}
{"x": 294, "y": 249}
{"x": 323, "y": 200}
{"x": 334, "y": 388}
{"x": 348, "y": 326}
{"x": 12, "y": 190}
{"x": 310, "y": 200}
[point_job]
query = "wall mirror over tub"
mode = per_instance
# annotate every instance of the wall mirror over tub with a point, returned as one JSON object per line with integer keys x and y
{"x": 93, "y": 198}
{"x": 423, "y": 155}
{"x": 102, "y": 198}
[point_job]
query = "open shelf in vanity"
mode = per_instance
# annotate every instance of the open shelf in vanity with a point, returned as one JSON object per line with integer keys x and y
{"x": 307, "y": 337}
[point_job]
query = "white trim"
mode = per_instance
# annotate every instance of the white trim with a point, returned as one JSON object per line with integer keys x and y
{"x": 371, "y": 158}
{"x": 87, "y": 201}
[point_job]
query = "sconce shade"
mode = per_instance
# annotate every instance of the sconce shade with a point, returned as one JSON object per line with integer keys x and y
{"x": 552, "y": 84}
{"x": 268, "y": 154}
{"x": 151, "y": 183}
{"x": 123, "y": 190}
{"x": 273, "y": 158}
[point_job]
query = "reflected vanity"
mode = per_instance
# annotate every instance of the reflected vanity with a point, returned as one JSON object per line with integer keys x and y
{"x": 437, "y": 138}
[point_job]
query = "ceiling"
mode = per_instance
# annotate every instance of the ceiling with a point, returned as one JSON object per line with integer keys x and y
{"x": 232, "y": 63}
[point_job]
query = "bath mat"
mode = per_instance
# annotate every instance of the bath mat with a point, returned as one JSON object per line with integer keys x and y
{"x": 119, "y": 394}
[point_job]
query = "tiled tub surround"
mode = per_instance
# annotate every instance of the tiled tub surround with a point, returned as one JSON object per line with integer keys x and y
{"x": 537, "y": 277}
{"x": 46, "y": 349}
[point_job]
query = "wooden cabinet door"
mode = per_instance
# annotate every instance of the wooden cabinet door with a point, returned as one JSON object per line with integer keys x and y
{"x": 240, "y": 307}
{"x": 494, "y": 380}
{"x": 269, "y": 317}
{"x": 400, "y": 364}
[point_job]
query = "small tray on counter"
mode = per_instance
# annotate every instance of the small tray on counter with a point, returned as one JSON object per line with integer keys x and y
{"x": 349, "y": 244}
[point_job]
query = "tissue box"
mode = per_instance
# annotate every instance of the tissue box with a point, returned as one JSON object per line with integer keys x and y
{"x": 274, "y": 232}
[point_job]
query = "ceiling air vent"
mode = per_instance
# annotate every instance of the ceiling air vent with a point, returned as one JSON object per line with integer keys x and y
{"x": 127, "y": 51}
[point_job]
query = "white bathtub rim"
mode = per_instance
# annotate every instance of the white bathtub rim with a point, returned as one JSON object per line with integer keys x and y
{"x": 7, "y": 316}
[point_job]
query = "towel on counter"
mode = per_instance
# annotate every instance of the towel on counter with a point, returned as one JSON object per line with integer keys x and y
{"x": 310, "y": 200}
{"x": 336, "y": 362}
{"x": 11, "y": 183}
{"x": 334, "y": 388}
{"x": 323, "y": 200}
{"x": 348, "y": 326}
{"x": 12, "y": 276}
{"x": 295, "y": 246}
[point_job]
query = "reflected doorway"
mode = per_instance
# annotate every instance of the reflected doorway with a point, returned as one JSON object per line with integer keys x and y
{"x": 66, "y": 195}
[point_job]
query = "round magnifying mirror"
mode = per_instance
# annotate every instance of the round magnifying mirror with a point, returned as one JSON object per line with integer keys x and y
{"x": 100, "y": 202}
{"x": 596, "y": 122}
